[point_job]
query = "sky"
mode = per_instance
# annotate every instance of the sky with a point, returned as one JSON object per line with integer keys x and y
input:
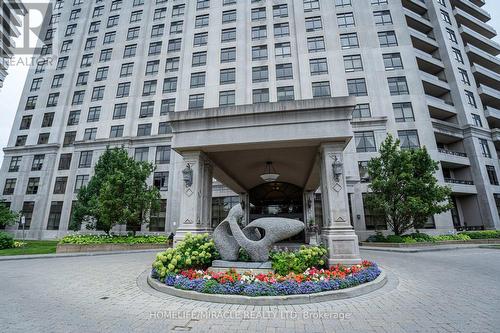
{"x": 10, "y": 94}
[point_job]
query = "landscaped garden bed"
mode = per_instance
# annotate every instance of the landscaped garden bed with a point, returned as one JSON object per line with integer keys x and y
{"x": 95, "y": 243}
{"x": 300, "y": 272}
{"x": 422, "y": 240}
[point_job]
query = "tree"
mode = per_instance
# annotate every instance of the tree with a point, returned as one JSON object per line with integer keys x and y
{"x": 7, "y": 217}
{"x": 118, "y": 193}
{"x": 404, "y": 188}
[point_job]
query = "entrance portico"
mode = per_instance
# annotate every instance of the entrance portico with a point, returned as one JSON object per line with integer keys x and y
{"x": 304, "y": 140}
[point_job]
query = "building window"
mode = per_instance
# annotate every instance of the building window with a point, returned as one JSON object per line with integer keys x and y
{"x": 229, "y": 16}
{"x": 361, "y": 111}
{"x": 85, "y": 159}
{"x": 311, "y": 5}
{"x": 228, "y": 75}
{"x": 357, "y": 87}
{"x": 170, "y": 85}
{"x": 97, "y": 94}
{"x": 280, "y": 10}
{"x": 458, "y": 55}
{"x": 162, "y": 155}
{"x": 485, "y": 149}
{"x": 43, "y": 138}
{"x": 55, "y": 215}
{"x": 123, "y": 90}
{"x": 144, "y": 129}
{"x": 147, "y": 109}
{"x": 392, "y": 61}
{"x": 321, "y": 89}
{"x": 398, "y": 86}
{"x": 365, "y": 142}
{"x": 445, "y": 16}
{"x": 260, "y": 74}
{"x": 382, "y": 17}
{"x": 363, "y": 171}
{"x": 160, "y": 180}
{"x": 259, "y": 32}
{"x": 285, "y": 93}
{"x": 33, "y": 184}
{"x": 65, "y": 161}
{"x": 81, "y": 181}
{"x": 196, "y": 101}
{"x": 48, "y": 119}
{"x": 464, "y": 76}
{"x": 141, "y": 154}
{"x": 409, "y": 139}
{"x": 157, "y": 219}
{"x": 60, "y": 185}
{"x": 259, "y": 52}
{"x": 167, "y": 105}
{"x": 353, "y": 63}
{"x": 313, "y": 23}
{"x": 387, "y": 39}
{"x": 471, "y": 100}
{"x": 21, "y": 140}
{"x": 228, "y": 55}
{"x": 258, "y": 14}
{"x": 282, "y": 50}
{"x": 197, "y": 80}
{"x": 69, "y": 138}
{"x": 227, "y": 97}
{"x": 284, "y": 72}
{"x": 200, "y": 39}
{"x": 345, "y": 20}
{"x": 315, "y": 44}
{"x": 27, "y": 212}
{"x": 149, "y": 88}
{"x": 126, "y": 69}
{"x": 120, "y": 111}
{"x": 152, "y": 67}
{"x": 260, "y": 95}
{"x": 281, "y": 30}
{"x": 403, "y": 112}
{"x": 199, "y": 59}
{"x": 318, "y": 66}
{"x": 451, "y": 36}
{"x": 349, "y": 41}
{"x": 14, "y": 164}
{"x": 228, "y": 35}
{"x": 10, "y": 185}
{"x": 25, "y": 122}
{"x": 37, "y": 163}
{"x": 90, "y": 134}
{"x": 164, "y": 128}
{"x": 116, "y": 131}
{"x": 477, "y": 120}
{"x": 492, "y": 174}
{"x": 101, "y": 73}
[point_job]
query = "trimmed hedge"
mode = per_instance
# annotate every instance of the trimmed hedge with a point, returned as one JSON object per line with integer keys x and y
{"x": 484, "y": 234}
{"x": 417, "y": 238}
{"x": 105, "y": 239}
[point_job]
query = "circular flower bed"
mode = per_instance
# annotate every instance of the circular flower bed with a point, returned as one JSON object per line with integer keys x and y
{"x": 312, "y": 280}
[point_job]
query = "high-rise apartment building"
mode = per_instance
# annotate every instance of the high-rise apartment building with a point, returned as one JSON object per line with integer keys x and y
{"x": 425, "y": 71}
{"x": 9, "y": 29}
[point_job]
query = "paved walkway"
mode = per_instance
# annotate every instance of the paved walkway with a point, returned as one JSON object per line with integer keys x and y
{"x": 452, "y": 291}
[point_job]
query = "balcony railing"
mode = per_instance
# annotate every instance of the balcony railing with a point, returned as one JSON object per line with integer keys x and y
{"x": 458, "y": 181}
{"x": 451, "y": 152}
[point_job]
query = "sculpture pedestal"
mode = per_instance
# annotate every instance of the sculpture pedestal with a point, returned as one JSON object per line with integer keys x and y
{"x": 241, "y": 266}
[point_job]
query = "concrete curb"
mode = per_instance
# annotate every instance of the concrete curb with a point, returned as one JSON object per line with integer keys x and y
{"x": 426, "y": 249}
{"x": 363, "y": 289}
{"x": 70, "y": 255}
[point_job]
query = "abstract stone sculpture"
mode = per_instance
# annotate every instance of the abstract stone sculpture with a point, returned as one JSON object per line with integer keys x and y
{"x": 256, "y": 238}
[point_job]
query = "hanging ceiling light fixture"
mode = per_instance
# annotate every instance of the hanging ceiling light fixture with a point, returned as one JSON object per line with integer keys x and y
{"x": 270, "y": 174}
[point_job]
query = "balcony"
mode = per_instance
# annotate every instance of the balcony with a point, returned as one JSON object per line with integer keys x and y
{"x": 493, "y": 116}
{"x": 416, "y": 6}
{"x": 446, "y": 132}
{"x": 482, "y": 58}
{"x": 473, "y": 23}
{"x": 439, "y": 108}
{"x": 486, "y": 76}
{"x": 423, "y": 42}
{"x": 459, "y": 186}
{"x": 472, "y": 8}
{"x": 418, "y": 22}
{"x": 433, "y": 85}
{"x": 489, "y": 96}
{"x": 479, "y": 41}
{"x": 453, "y": 159}
{"x": 428, "y": 63}
{"x": 495, "y": 135}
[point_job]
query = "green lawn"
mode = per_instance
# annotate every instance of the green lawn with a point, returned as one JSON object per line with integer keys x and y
{"x": 32, "y": 247}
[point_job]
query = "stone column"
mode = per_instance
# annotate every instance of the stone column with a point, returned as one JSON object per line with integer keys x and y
{"x": 196, "y": 195}
{"x": 337, "y": 234}
{"x": 309, "y": 216}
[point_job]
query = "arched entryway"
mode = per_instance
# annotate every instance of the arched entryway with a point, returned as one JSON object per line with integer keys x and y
{"x": 278, "y": 199}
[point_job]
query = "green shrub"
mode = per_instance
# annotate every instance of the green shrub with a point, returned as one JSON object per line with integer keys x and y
{"x": 461, "y": 237}
{"x": 285, "y": 262}
{"x": 113, "y": 239}
{"x": 243, "y": 255}
{"x": 394, "y": 239}
{"x": 484, "y": 234}
{"x": 421, "y": 237}
{"x": 6, "y": 241}
{"x": 195, "y": 252}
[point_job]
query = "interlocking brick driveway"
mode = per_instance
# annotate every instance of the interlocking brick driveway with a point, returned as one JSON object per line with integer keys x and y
{"x": 451, "y": 291}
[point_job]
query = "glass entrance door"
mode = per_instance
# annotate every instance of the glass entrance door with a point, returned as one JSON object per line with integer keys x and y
{"x": 277, "y": 199}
